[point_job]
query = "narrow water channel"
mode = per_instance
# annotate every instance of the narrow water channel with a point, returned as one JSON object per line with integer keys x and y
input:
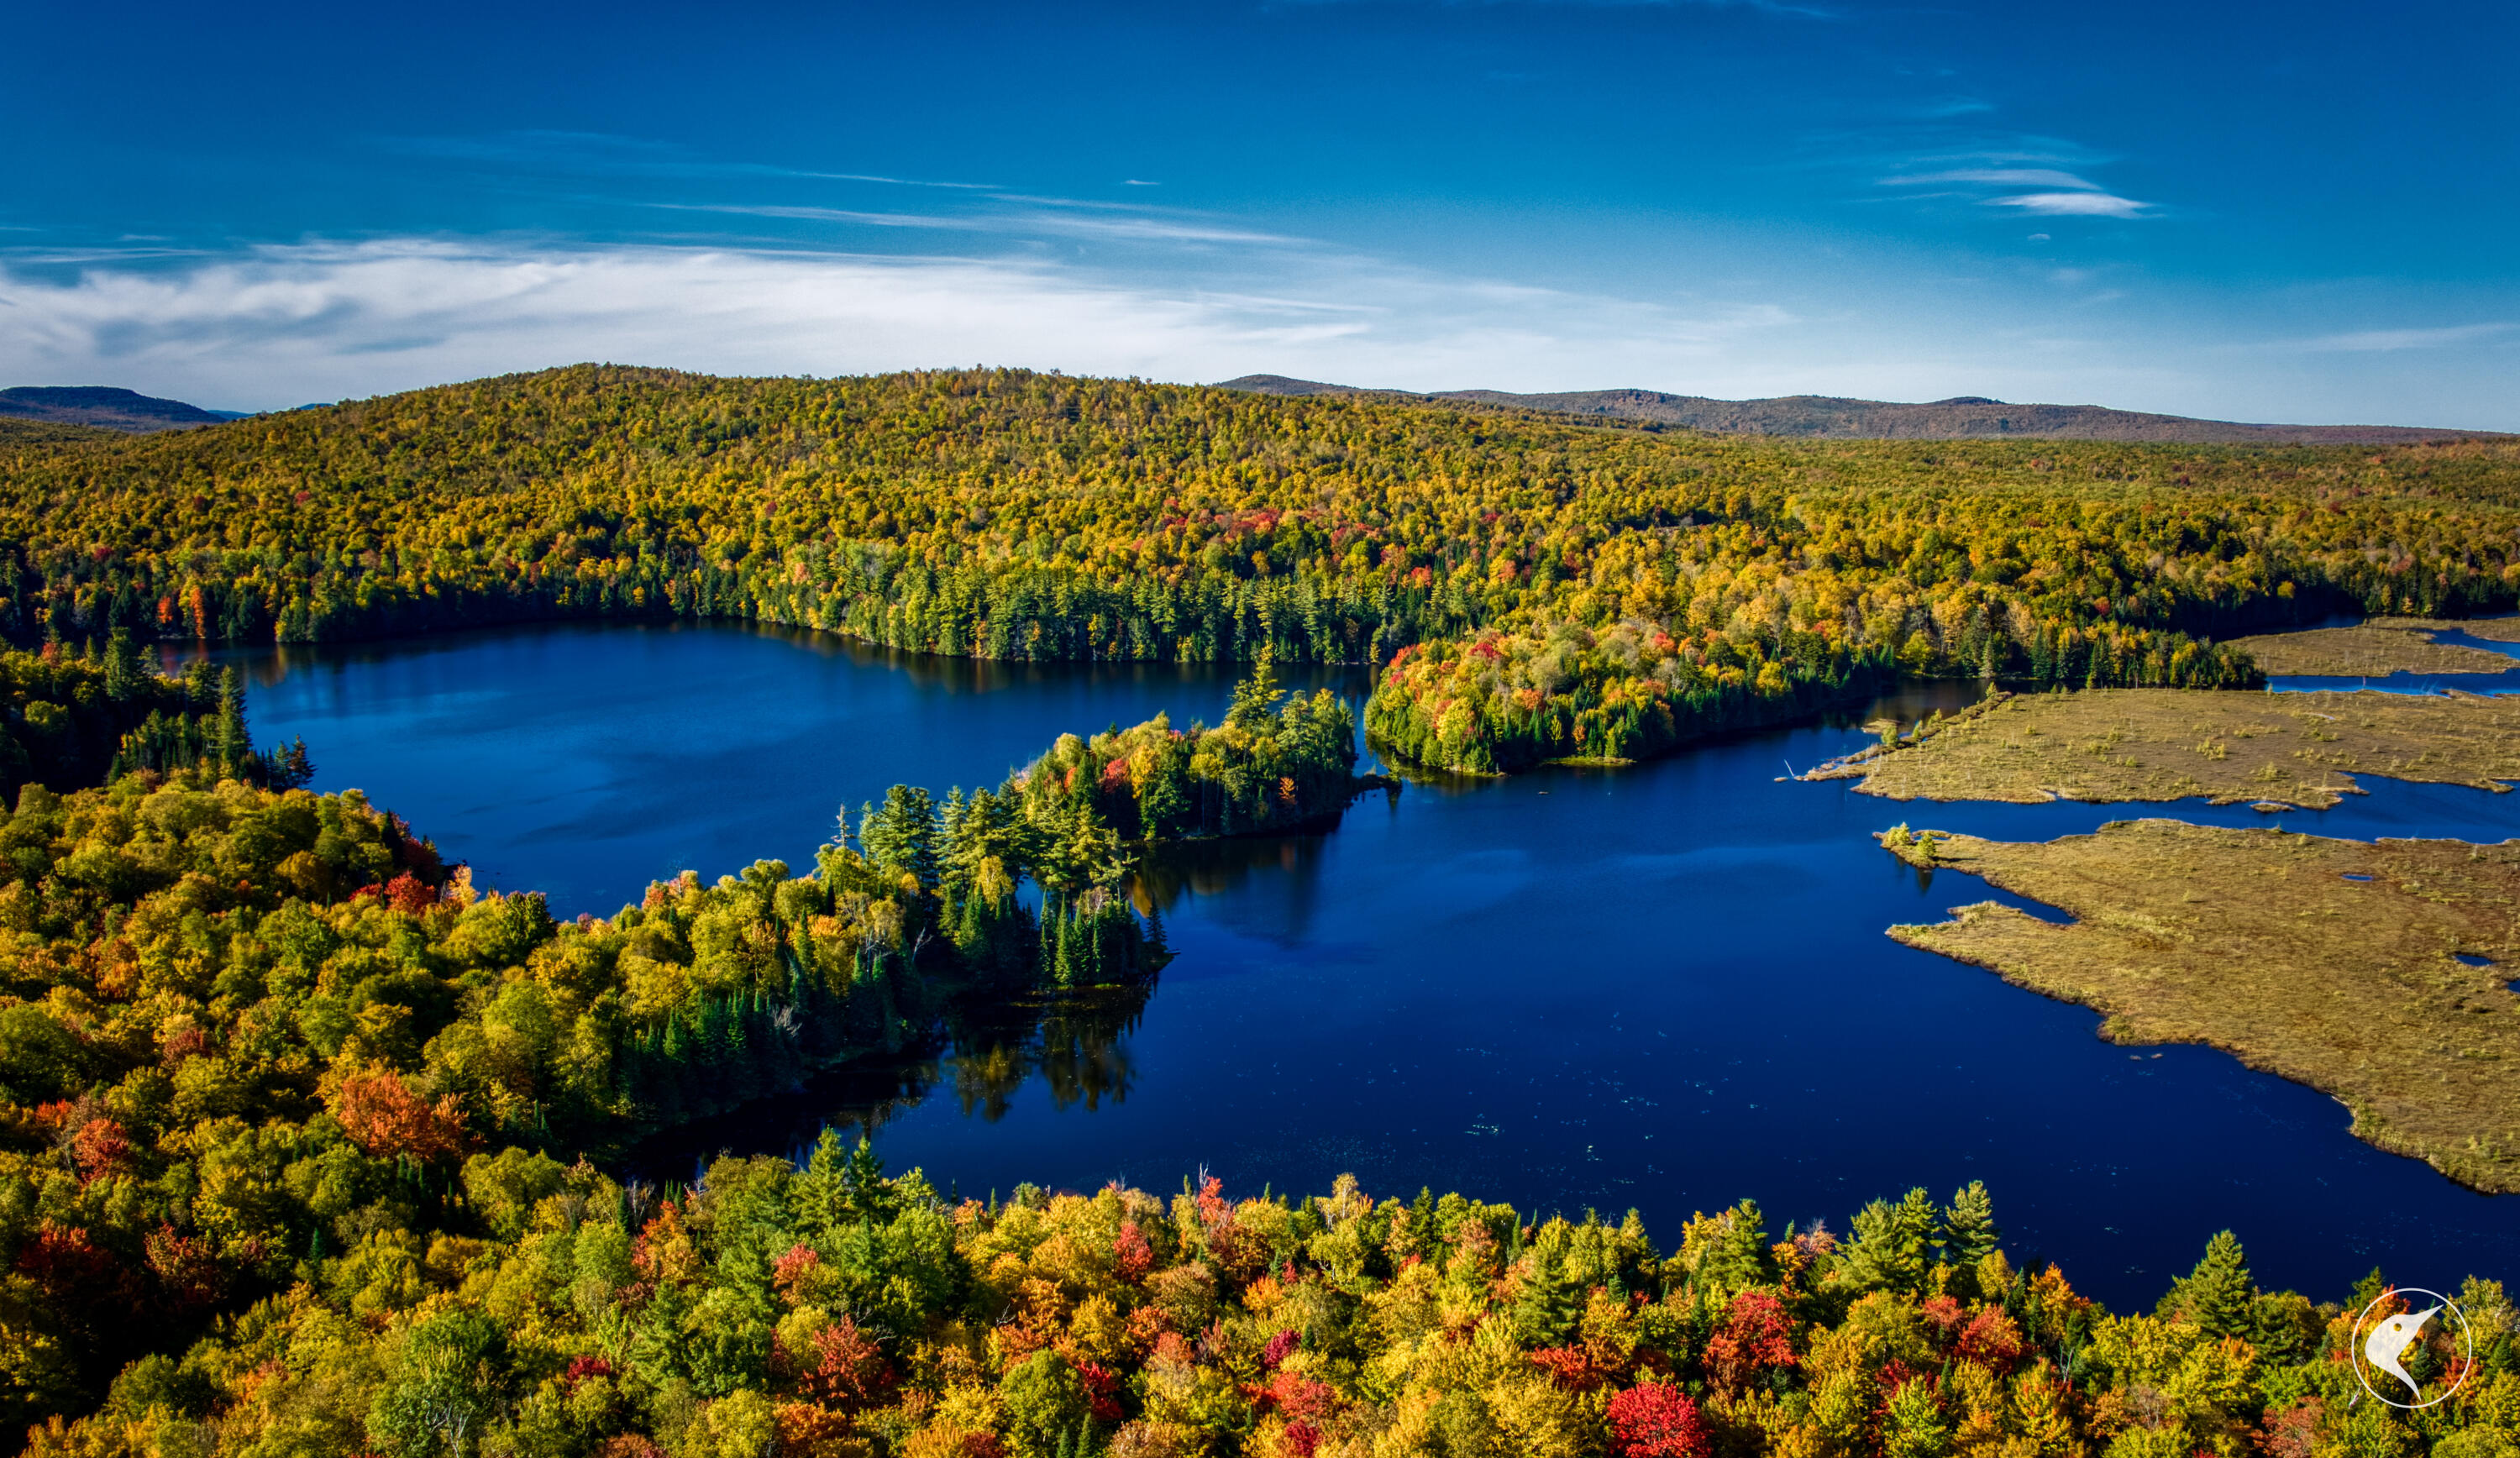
{"x": 1663, "y": 987}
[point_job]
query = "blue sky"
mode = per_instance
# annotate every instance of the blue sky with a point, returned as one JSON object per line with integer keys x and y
{"x": 2282, "y": 212}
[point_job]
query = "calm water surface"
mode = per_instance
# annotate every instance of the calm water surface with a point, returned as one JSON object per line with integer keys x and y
{"x": 1664, "y": 987}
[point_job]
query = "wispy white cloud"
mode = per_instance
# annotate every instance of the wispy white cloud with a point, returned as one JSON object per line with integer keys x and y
{"x": 2075, "y": 205}
{"x": 276, "y": 326}
{"x": 279, "y": 324}
{"x": 2011, "y": 177}
{"x": 2384, "y": 341}
{"x": 1060, "y": 221}
{"x": 2057, "y": 192}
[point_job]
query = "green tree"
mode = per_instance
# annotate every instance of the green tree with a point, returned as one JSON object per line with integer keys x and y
{"x": 2218, "y": 1295}
{"x": 124, "y": 677}
{"x": 1046, "y": 1403}
{"x": 1913, "y": 1423}
{"x": 900, "y": 837}
{"x": 1255, "y": 697}
{"x": 1891, "y": 1246}
{"x": 1969, "y": 1232}
{"x": 448, "y": 1385}
{"x": 230, "y": 747}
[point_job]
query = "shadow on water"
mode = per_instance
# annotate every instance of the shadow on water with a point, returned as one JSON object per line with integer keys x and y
{"x": 1664, "y": 987}
{"x": 1281, "y": 876}
{"x": 1074, "y": 1045}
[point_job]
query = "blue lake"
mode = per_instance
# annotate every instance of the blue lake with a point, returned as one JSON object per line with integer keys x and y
{"x": 1663, "y": 987}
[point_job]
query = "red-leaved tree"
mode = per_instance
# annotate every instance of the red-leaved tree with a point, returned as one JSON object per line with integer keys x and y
{"x": 1134, "y": 1255}
{"x": 1756, "y": 1336}
{"x": 1992, "y": 1338}
{"x": 1658, "y": 1421}
{"x": 382, "y": 1116}
{"x": 849, "y": 1372}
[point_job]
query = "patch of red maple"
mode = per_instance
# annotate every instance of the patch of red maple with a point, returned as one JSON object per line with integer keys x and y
{"x": 849, "y": 1372}
{"x": 382, "y": 1116}
{"x": 187, "y": 1266}
{"x": 1756, "y": 1336}
{"x": 1301, "y": 1399}
{"x": 1101, "y": 1392}
{"x": 1992, "y": 1338}
{"x": 1281, "y": 1346}
{"x": 1574, "y": 1368}
{"x": 101, "y": 1148}
{"x": 1136, "y": 1256}
{"x": 63, "y": 1259}
{"x": 1658, "y": 1421}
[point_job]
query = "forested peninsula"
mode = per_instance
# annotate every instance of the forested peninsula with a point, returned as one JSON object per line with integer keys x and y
{"x": 1562, "y": 586}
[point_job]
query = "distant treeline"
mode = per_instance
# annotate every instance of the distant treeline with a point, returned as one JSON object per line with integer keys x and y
{"x": 1015, "y": 516}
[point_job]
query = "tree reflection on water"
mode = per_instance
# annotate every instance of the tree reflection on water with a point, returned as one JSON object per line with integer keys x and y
{"x": 983, "y": 1049}
{"x": 1272, "y": 882}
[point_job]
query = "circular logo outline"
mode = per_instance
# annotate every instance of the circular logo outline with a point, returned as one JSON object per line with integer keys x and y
{"x": 2466, "y": 1333}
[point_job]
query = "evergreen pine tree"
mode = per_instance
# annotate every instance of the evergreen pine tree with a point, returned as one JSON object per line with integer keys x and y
{"x": 124, "y": 676}
{"x": 1548, "y": 1303}
{"x": 900, "y": 837}
{"x": 1969, "y": 1233}
{"x": 1890, "y": 1247}
{"x": 2218, "y": 1295}
{"x": 1256, "y": 697}
{"x": 229, "y": 744}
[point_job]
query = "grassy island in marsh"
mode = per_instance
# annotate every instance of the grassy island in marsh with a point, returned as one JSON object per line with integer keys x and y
{"x": 2334, "y": 963}
{"x": 2492, "y": 630}
{"x": 2112, "y": 744}
{"x": 2372, "y": 649}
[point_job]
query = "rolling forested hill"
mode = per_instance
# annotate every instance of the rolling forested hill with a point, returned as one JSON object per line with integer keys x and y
{"x": 105, "y": 406}
{"x": 1557, "y": 586}
{"x": 1837, "y": 418}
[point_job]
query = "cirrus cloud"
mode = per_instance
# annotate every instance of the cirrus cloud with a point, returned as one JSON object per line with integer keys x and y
{"x": 277, "y": 325}
{"x": 2074, "y": 204}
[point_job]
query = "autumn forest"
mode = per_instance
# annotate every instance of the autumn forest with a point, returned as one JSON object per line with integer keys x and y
{"x": 311, "y": 1144}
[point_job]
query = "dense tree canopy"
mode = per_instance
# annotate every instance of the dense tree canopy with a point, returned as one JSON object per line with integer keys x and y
{"x": 816, "y": 1308}
{"x": 1020, "y": 516}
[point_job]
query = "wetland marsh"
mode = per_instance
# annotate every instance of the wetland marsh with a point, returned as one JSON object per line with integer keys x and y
{"x": 2373, "y": 971}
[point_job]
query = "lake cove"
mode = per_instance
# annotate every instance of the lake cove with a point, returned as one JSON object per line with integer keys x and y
{"x": 2362, "y": 969}
{"x": 1664, "y": 986}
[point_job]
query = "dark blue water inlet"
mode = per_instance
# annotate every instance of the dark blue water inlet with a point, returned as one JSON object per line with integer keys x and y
{"x": 1663, "y": 987}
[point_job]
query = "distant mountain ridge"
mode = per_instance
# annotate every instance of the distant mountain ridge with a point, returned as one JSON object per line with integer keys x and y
{"x": 1832, "y": 417}
{"x": 108, "y": 406}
